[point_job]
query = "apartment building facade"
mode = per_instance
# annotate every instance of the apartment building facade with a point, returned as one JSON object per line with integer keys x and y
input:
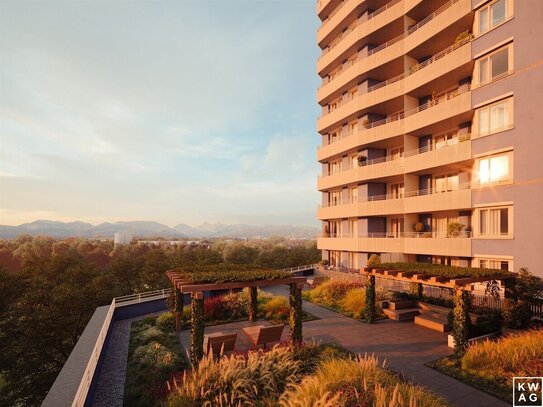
{"x": 432, "y": 132}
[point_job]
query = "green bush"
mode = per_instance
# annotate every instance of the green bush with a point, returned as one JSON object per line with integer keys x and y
{"x": 276, "y": 309}
{"x": 443, "y": 270}
{"x": 517, "y": 315}
{"x": 354, "y": 302}
{"x": 166, "y": 322}
{"x": 331, "y": 292}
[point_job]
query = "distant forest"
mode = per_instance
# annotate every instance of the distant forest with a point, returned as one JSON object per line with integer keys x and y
{"x": 50, "y": 288}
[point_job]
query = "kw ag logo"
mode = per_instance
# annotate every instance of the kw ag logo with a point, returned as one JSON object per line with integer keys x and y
{"x": 528, "y": 392}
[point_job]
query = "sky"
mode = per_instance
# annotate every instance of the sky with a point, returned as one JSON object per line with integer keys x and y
{"x": 177, "y": 112}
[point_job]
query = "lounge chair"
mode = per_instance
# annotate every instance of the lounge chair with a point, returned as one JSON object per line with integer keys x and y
{"x": 262, "y": 335}
{"x": 220, "y": 342}
{"x": 315, "y": 281}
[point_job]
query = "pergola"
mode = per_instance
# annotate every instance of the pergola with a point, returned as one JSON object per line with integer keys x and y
{"x": 462, "y": 286}
{"x": 188, "y": 283}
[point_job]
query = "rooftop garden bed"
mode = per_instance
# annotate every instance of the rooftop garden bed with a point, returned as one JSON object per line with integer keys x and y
{"x": 228, "y": 274}
{"x": 491, "y": 366}
{"x": 440, "y": 270}
{"x": 310, "y": 375}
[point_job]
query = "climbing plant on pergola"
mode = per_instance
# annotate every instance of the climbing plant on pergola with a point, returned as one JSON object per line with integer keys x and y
{"x": 459, "y": 279}
{"x": 196, "y": 283}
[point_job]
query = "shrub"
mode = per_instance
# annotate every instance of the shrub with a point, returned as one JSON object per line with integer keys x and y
{"x": 215, "y": 309}
{"x": 514, "y": 355}
{"x": 276, "y": 309}
{"x": 166, "y": 322}
{"x": 331, "y": 292}
{"x": 354, "y": 302}
{"x": 149, "y": 334}
{"x": 517, "y": 315}
{"x": 236, "y": 304}
{"x": 488, "y": 323}
{"x": 374, "y": 260}
{"x": 454, "y": 229}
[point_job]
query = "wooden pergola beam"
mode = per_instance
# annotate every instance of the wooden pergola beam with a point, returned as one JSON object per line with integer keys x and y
{"x": 190, "y": 288}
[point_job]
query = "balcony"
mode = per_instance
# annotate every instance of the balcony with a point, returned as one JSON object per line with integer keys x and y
{"x": 381, "y": 167}
{"x": 343, "y": 11}
{"x": 451, "y": 104}
{"x": 438, "y": 244}
{"x": 410, "y": 243}
{"x": 378, "y": 244}
{"x": 374, "y": 206}
{"x": 446, "y": 15}
{"x": 430, "y": 201}
{"x": 363, "y": 28}
{"x": 455, "y": 151}
{"x": 326, "y": 6}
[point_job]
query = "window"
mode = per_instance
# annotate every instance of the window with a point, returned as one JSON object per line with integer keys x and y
{"x": 445, "y": 183}
{"x": 491, "y": 15}
{"x": 335, "y": 198}
{"x": 353, "y": 195}
{"x": 397, "y": 191}
{"x": 494, "y": 264}
{"x": 445, "y": 139}
{"x": 353, "y": 93}
{"x": 494, "y": 221}
{"x": 353, "y": 127}
{"x": 494, "y": 65}
{"x": 495, "y": 168}
{"x": 495, "y": 117}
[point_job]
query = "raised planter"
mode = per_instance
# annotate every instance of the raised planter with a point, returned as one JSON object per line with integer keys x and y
{"x": 401, "y": 304}
{"x": 450, "y": 339}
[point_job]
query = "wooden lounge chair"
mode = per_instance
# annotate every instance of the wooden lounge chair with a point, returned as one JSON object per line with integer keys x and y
{"x": 220, "y": 342}
{"x": 262, "y": 335}
{"x": 315, "y": 281}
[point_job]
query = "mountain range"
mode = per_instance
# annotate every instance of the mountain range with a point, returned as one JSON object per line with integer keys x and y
{"x": 149, "y": 229}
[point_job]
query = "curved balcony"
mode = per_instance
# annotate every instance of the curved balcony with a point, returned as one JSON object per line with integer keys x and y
{"x": 382, "y": 167}
{"x": 363, "y": 28}
{"x": 446, "y": 15}
{"x": 430, "y": 201}
{"x": 375, "y": 205}
{"x": 436, "y": 244}
{"x": 341, "y": 12}
{"x": 455, "y": 151}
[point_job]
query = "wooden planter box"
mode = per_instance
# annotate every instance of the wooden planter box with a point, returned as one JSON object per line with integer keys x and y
{"x": 401, "y": 304}
{"x": 450, "y": 339}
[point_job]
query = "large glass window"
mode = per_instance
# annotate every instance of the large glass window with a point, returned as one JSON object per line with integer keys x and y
{"x": 494, "y": 169}
{"x": 494, "y": 117}
{"x": 494, "y": 221}
{"x": 494, "y": 65}
{"x": 491, "y": 15}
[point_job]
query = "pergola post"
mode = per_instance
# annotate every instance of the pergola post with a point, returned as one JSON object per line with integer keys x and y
{"x": 370, "y": 300}
{"x": 197, "y": 328}
{"x": 295, "y": 318}
{"x": 461, "y": 322}
{"x": 253, "y": 303}
{"x": 178, "y": 308}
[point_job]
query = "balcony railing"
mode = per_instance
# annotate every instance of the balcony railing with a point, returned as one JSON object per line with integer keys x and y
{"x": 399, "y": 235}
{"x": 381, "y": 47}
{"x": 373, "y": 198}
{"x": 362, "y": 164}
{"x": 433, "y": 191}
{"x": 449, "y": 143}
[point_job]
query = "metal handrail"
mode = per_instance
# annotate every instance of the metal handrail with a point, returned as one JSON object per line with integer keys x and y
{"x": 432, "y": 191}
{"x": 398, "y": 235}
{"x": 449, "y": 143}
{"x": 410, "y": 31}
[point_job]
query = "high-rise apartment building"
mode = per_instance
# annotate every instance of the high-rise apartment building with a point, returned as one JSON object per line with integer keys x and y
{"x": 432, "y": 132}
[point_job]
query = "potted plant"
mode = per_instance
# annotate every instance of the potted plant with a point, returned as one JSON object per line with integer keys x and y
{"x": 362, "y": 159}
{"x": 419, "y": 227}
{"x": 366, "y": 123}
{"x": 454, "y": 229}
{"x": 400, "y": 300}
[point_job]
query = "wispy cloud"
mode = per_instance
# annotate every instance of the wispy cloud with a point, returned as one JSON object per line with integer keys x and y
{"x": 174, "y": 111}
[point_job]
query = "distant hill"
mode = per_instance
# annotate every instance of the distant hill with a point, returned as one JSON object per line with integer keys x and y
{"x": 149, "y": 229}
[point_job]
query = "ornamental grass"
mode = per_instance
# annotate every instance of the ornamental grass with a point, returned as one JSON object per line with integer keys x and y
{"x": 331, "y": 292}
{"x": 442, "y": 270}
{"x": 518, "y": 355}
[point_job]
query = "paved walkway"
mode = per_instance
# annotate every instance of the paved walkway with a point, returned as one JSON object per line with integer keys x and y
{"x": 405, "y": 346}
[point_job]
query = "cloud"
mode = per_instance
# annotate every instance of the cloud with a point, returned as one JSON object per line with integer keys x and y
{"x": 181, "y": 111}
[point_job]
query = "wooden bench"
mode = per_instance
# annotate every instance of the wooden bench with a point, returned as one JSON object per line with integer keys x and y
{"x": 219, "y": 343}
{"x": 262, "y": 335}
{"x": 315, "y": 281}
